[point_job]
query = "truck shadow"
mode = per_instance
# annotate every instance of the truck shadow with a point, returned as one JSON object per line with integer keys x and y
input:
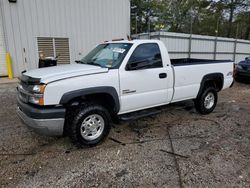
{"x": 243, "y": 80}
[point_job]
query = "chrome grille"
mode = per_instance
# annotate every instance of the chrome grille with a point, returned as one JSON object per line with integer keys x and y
{"x": 22, "y": 92}
{"x": 23, "y": 97}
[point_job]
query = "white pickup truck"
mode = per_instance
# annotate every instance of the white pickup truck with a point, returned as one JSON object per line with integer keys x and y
{"x": 116, "y": 80}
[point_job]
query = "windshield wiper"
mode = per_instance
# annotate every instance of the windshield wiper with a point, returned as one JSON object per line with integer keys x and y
{"x": 95, "y": 64}
{"x": 79, "y": 61}
{"x": 89, "y": 63}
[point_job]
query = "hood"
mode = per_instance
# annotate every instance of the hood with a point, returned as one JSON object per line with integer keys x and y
{"x": 50, "y": 74}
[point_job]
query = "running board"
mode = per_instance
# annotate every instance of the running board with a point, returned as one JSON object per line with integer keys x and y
{"x": 139, "y": 114}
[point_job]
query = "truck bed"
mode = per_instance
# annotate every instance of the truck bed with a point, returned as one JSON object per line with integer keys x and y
{"x": 188, "y": 74}
{"x": 191, "y": 61}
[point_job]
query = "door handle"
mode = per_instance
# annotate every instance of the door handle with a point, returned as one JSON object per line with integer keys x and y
{"x": 162, "y": 75}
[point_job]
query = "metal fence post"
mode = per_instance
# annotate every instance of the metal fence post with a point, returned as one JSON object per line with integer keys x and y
{"x": 215, "y": 48}
{"x": 190, "y": 46}
{"x": 235, "y": 49}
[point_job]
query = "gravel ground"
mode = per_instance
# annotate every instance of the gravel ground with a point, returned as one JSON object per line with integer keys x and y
{"x": 177, "y": 148}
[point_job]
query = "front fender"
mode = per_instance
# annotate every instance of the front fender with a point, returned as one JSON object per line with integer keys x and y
{"x": 67, "y": 97}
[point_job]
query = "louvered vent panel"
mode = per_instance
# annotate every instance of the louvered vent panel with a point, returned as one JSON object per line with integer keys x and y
{"x": 45, "y": 45}
{"x": 62, "y": 50}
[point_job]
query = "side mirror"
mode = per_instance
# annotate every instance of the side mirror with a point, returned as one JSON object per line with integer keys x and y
{"x": 137, "y": 65}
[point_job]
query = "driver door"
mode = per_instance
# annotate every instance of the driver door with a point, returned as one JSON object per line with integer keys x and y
{"x": 143, "y": 83}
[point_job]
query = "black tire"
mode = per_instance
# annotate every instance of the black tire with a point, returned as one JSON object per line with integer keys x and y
{"x": 83, "y": 113}
{"x": 200, "y": 101}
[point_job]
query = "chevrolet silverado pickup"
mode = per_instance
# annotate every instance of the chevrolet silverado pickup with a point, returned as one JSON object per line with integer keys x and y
{"x": 116, "y": 80}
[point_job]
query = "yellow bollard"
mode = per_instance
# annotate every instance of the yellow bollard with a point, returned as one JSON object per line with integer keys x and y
{"x": 9, "y": 66}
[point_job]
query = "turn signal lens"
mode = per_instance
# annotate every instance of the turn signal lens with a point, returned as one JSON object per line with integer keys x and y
{"x": 41, "y": 101}
{"x": 42, "y": 88}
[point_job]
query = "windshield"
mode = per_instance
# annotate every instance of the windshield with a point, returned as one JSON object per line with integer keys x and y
{"x": 107, "y": 55}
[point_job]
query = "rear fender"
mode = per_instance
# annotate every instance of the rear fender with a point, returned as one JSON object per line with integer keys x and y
{"x": 218, "y": 78}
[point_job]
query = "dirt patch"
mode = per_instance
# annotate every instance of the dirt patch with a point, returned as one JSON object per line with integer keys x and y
{"x": 177, "y": 148}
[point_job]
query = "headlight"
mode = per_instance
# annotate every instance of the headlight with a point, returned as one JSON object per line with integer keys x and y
{"x": 37, "y": 99}
{"x": 37, "y": 96}
{"x": 38, "y": 88}
{"x": 239, "y": 67}
{"x": 34, "y": 99}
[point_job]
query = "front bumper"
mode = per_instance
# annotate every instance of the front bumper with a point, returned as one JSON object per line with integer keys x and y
{"x": 242, "y": 73}
{"x": 42, "y": 121}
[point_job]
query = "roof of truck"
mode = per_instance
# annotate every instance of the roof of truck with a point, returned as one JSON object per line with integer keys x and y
{"x": 135, "y": 41}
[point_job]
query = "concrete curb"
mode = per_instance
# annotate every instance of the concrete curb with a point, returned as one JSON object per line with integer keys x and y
{"x": 5, "y": 80}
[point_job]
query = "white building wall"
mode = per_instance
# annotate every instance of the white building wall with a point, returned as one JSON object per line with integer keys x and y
{"x": 3, "y": 66}
{"x": 85, "y": 22}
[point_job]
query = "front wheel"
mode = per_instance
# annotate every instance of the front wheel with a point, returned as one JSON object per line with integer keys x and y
{"x": 90, "y": 125}
{"x": 206, "y": 102}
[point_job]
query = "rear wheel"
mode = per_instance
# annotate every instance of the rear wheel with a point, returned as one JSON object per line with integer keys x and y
{"x": 90, "y": 125}
{"x": 206, "y": 102}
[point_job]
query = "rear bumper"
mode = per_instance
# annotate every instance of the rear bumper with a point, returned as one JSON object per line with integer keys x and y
{"x": 49, "y": 122}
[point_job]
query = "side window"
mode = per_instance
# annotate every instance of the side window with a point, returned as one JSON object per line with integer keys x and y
{"x": 146, "y": 56}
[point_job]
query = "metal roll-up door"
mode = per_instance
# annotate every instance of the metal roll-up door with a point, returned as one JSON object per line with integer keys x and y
{"x": 3, "y": 66}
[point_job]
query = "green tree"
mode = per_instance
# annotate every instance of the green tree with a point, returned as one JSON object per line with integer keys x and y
{"x": 227, "y": 18}
{"x": 243, "y": 22}
{"x": 231, "y": 8}
{"x": 144, "y": 14}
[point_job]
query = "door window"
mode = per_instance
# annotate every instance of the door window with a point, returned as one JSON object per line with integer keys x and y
{"x": 146, "y": 56}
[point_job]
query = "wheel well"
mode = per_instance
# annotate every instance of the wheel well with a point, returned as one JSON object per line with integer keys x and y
{"x": 105, "y": 95}
{"x": 103, "y": 99}
{"x": 215, "y": 80}
{"x": 217, "y": 84}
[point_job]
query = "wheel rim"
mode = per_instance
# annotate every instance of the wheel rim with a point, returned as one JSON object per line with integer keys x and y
{"x": 209, "y": 100}
{"x": 92, "y": 127}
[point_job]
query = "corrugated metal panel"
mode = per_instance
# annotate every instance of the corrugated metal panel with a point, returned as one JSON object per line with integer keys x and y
{"x": 3, "y": 67}
{"x": 84, "y": 22}
{"x": 178, "y": 55}
{"x": 243, "y": 47}
{"x": 199, "y": 45}
{"x": 202, "y": 56}
{"x": 225, "y": 46}
{"x": 239, "y": 58}
{"x": 225, "y": 56}
{"x": 182, "y": 45}
{"x": 175, "y": 44}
